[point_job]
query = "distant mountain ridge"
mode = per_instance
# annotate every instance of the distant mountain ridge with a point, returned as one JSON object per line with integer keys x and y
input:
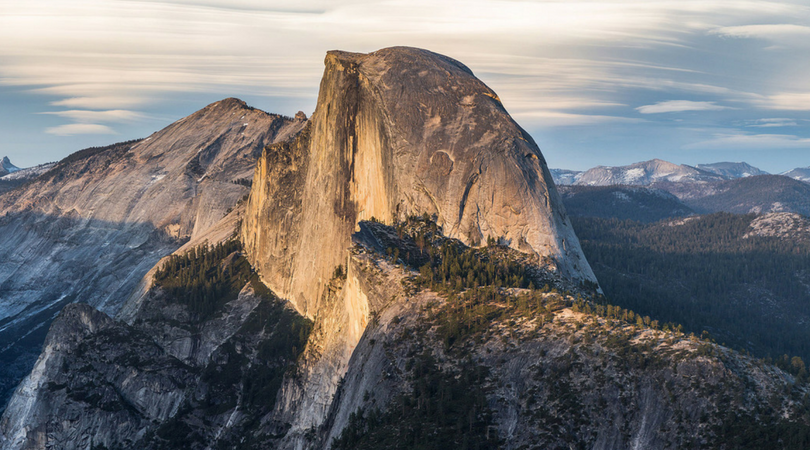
{"x": 732, "y": 170}
{"x": 645, "y": 173}
{"x": 759, "y": 195}
{"x": 28, "y": 173}
{"x": 735, "y": 187}
{"x": 12, "y": 176}
{"x": 799, "y": 173}
{"x": 563, "y": 177}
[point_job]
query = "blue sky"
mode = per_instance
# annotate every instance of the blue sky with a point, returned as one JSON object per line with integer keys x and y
{"x": 595, "y": 82}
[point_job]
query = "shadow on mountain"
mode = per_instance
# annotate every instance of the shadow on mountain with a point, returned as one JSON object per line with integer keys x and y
{"x": 622, "y": 202}
{"x": 10, "y": 185}
{"x": 49, "y": 261}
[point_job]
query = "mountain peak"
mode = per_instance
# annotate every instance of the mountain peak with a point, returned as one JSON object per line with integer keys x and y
{"x": 642, "y": 173}
{"x": 732, "y": 170}
{"x": 232, "y": 102}
{"x": 386, "y": 58}
{"x": 228, "y": 112}
{"x": 229, "y": 104}
{"x": 406, "y": 132}
{"x": 799, "y": 173}
{"x": 6, "y": 167}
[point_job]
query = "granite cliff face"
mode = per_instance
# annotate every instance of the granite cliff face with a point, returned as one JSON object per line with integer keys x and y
{"x": 89, "y": 228}
{"x": 397, "y": 132}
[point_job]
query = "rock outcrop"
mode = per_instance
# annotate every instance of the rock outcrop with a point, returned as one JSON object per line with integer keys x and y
{"x": 122, "y": 373}
{"x": 553, "y": 378}
{"x": 397, "y": 132}
{"x": 104, "y": 383}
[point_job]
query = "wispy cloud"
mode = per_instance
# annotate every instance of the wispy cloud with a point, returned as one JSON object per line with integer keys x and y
{"x": 679, "y": 106}
{"x": 211, "y": 45}
{"x": 100, "y": 101}
{"x": 790, "y": 101}
{"x": 753, "y": 142}
{"x": 781, "y": 31}
{"x": 73, "y": 129}
{"x": 562, "y": 119}
{"x": 774, "y": 122}
{"x": 114, "y": 115}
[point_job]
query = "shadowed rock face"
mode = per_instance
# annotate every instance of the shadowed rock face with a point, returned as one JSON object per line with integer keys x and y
{"x": 397, "y": 132}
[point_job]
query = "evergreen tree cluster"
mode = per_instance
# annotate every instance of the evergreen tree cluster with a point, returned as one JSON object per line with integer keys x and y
{"x": 447, "y": 264}
{"x": 455, "y": 267}
{"x": 472, "y": 312}
{"x": 205, "y": 278}
{"x": 761, "y": 430}
{"x": 120, "y": 147}
{"x": 92, "y": 158}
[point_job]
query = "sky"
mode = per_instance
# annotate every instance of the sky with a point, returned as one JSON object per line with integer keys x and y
{"x": 594, "y": 82}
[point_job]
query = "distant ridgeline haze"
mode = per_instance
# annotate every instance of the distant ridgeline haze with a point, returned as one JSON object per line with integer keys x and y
{"x": 720, "y": 187}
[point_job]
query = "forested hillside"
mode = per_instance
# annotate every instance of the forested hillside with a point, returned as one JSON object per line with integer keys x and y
{"x": 750, "y": 292}
{"x": 760, "y": 194}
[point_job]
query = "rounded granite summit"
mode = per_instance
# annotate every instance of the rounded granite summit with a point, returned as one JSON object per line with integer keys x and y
{"x": 397, "y": 132}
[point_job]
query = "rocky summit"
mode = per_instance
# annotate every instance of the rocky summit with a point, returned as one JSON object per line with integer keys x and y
{"x": 398, "y": 132}
{"x": 402, "y": 274}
